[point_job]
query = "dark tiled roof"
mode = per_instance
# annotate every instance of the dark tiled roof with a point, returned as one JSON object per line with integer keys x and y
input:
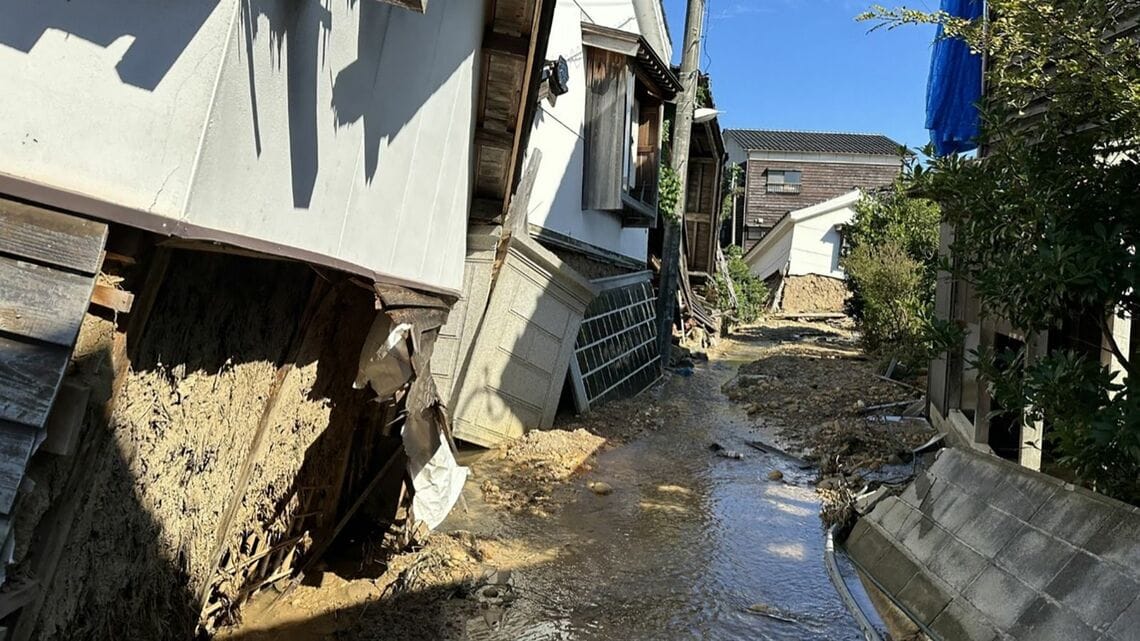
{"x": 814, "y": 142}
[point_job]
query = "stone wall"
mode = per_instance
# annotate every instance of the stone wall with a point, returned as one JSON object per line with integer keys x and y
{"x": 977, "y": 549}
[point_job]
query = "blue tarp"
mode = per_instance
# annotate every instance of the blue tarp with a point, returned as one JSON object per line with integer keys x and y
{"x": 955, "y": 87}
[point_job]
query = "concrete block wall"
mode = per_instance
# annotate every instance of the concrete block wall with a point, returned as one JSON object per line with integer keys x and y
{"x": 980, "y": 549}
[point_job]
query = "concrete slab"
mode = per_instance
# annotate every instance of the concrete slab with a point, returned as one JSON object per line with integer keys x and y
{"x": 1022, "y": 496}
{"x": 957, "y": 564}
{"x": 925, "y": 597}
{"x": 1044, "y": 621}
{"x": 1118, "y": 541}
{"x": 894, "y": 570}
{"x": 1000, "y": 596}
{"x": 961, "y": 621}
{"x": 868, "y": 546}
{"x": 1034, "y": 556}
{"x": 924, "y": 539}
{"x": 1096, "y": 592}
{"x": 1127, "y": 625}
{"x": 1071, "y": 516}
{"x": 989, "y": 531}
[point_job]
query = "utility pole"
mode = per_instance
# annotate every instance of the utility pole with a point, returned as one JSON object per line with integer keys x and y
{"x": 682, "y": 130}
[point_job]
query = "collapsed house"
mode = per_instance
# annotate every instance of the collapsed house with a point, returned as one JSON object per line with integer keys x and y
{"x": 231, "y": 233}
{"x": 799, "y": 258}
{"x": 566, "y": 307}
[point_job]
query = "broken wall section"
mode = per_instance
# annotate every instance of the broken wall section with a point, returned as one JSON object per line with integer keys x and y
{"x": 210, "y": 466}
{"x": 977, "y": 547}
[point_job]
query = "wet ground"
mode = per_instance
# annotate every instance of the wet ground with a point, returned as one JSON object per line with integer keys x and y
{"x": 687, "y": 542}
{"x": 674, "y": 541}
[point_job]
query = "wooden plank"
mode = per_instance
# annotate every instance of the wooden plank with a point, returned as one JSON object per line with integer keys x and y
{"x": 113, "y": 299}
{"x": 51, "y": 237}
{"x": 515, "y": 223}
{"x": 29, "y": 376}
{"x": 504, "y": 43}
{"x": 16, "y": 444}
{"x": 607, "y": 79}
{"x": 41, "y": 302}
{"x": 66, "y": 419}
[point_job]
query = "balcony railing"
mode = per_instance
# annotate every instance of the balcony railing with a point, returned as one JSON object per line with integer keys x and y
{"x": 786, "y": 188}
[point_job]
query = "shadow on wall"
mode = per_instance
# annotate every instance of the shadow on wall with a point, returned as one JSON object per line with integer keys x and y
{"x": 403, "y": 58}
{"x": 160, "y": 29}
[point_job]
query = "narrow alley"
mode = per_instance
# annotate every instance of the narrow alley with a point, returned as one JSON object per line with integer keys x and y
{"x": 633, "y": 524}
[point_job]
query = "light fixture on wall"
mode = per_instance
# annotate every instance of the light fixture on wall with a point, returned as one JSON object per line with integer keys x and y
{"x": 557, "y": 73}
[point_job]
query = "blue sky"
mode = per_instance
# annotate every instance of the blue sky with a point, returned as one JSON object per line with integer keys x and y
{"x": 806, "y": 64}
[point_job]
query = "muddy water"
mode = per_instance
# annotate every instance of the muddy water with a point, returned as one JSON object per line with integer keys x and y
{"x": 687, "y": 542}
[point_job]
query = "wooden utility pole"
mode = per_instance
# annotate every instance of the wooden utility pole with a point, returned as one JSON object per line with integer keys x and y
{"x": 682, "y": 128}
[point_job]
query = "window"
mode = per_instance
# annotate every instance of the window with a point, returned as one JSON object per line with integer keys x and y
{"x": 784, "y": 181}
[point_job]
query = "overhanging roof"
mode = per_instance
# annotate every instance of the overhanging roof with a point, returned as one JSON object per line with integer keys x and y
{"x": 637, "y": 48}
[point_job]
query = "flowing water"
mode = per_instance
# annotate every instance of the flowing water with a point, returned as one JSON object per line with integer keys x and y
{"x": 686, "y": 544}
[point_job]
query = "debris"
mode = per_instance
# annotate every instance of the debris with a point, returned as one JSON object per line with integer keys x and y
{"x": 765, "y": 610}
{"x": 867, "y": 501}
{"x": 685, "y": 372}
{"x": 723, "y": 452}
{"x": 775, "y": 475}
{"x": 600, "y": 488}
{"x": 891, "y": 405}
{"x": 768, "y": 449}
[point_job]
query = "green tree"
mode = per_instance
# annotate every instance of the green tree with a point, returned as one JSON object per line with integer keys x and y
{"x": 1047, "y": 225}
{"x": 891, "y": 266}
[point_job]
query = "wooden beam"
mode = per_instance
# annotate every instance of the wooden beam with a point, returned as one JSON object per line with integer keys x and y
{"x": 66, "y": 419}
{"x": 29, "y": 376}
{"x": 116, "y": 300}
{"x": 500, "y": 139}
{"x": 504, "y": 43}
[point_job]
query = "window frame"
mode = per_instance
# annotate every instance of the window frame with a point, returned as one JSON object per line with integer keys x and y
{"x": 783, "y": 186}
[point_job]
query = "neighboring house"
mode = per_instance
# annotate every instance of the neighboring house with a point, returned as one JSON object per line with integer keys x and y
{"x": 790, "y": 170}
{"x": 703, "y": 194}
{"x": 266, "y": 204}
{"x": 595, "y": 154}
{"x": 799, "y": 257}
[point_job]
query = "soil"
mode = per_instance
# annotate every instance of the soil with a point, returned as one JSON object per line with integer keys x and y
{"x": 630, "y": 496}
{"x": 813, "y": 294}
{"x": 813, "y": 386}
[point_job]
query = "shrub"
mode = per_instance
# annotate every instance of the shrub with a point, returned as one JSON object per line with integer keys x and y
{"x": 751, "y": 292}
{"x": 894, "y": 305}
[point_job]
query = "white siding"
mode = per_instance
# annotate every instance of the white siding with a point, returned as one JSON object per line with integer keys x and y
{"x": 774, "y": 257}
{"x": 556, "y": 202}
{"x": 816, "y": 244}
{"x": 336, "y": 132}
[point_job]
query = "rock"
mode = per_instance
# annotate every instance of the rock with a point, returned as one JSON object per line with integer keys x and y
{"x": 600, "y": 488}
{"x": 775, "y": 475}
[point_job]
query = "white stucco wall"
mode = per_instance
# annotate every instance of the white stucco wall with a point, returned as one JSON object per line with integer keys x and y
{"x": 805, "y": 241}
{"x": 335, "y": 132}
{"x": 816, "y": 244}
{"x": 556, "y": 202}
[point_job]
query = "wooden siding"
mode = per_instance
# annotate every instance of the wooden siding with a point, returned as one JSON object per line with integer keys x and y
{"x": 702, "y": 214}
{"x": 47, "y": 273}
{"x": 821, "y": 182}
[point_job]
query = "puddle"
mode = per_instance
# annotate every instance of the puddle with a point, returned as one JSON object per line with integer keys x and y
{"x": 687, "y": 542}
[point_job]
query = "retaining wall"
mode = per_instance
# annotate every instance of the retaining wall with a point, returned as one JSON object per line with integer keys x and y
{"x": 978, "y": 549}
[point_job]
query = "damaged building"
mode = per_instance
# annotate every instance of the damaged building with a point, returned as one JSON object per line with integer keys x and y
{"x": 231, "y": 233}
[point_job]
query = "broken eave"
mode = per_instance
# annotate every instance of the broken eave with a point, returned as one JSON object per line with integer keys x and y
{"x": 648, "y": 65}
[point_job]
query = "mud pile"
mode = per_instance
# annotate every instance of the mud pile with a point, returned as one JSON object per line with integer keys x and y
{"x": 521, "y": 475}
{"x": 813, "y": 294}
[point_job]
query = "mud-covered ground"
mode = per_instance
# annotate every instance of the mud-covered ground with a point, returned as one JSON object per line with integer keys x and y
{"x": 654, "y": 517}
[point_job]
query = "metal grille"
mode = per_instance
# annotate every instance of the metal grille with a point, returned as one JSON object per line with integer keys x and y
{"x": 616, "y": 352}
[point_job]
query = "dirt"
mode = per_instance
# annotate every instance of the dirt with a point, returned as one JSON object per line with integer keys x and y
{"x": 813, "y": 385}
{"x": 813, "y": 294}
{"x": 523, "y": 474}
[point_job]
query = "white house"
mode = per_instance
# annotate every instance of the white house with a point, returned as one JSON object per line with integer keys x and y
{"x": 800, "y": 256}
{"x": 595, "y": 196}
